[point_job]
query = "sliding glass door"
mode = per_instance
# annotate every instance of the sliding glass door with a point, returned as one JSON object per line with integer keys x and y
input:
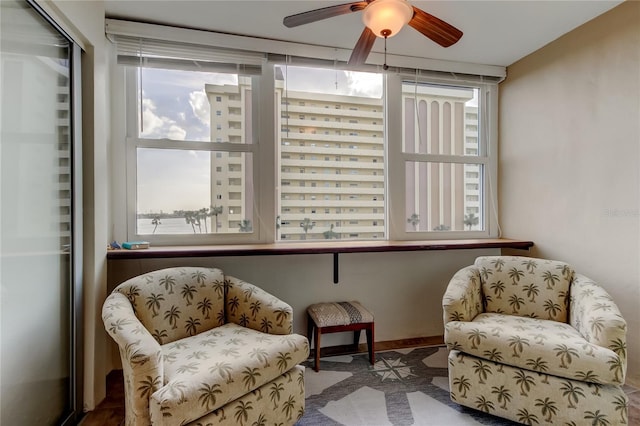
{"x": 39, "y": 228}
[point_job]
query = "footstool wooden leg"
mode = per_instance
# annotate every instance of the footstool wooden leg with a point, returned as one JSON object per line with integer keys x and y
{"x": 356, "y": 338}
{"x": 370, "y": 343}
{"x": 310, "y": 326}
{"x": 317, "y": 338}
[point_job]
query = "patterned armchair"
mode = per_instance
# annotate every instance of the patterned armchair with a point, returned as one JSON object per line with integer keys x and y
{"x": 201, "y": 348}
{"x": 535, "y": 342}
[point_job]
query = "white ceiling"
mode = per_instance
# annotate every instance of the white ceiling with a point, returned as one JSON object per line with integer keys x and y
{"x": 495, "y": 32}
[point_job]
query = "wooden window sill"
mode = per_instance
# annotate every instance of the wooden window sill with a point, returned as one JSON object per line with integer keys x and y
{"x": 315, "y": 247}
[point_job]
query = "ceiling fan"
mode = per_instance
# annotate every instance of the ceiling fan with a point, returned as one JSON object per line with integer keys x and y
{"x": 382, "y": 18}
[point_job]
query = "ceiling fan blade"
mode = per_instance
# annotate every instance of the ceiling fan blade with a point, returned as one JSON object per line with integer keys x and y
{"x": 363, "y": 47}
{"x": 436, "y": 29}
{"x": 323, "y": 13}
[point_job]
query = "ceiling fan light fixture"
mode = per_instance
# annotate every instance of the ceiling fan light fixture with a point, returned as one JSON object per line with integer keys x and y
{"x": 385, "y": 18}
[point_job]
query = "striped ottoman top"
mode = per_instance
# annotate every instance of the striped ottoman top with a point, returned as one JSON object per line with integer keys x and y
{"x": 339, "y": 313}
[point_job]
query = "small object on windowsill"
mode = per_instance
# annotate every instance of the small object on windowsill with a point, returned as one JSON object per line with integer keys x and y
{"x": 135, "y": 245}
{"x": 113, "y": 245}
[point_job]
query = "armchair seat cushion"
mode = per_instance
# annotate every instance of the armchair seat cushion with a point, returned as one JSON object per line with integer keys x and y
{"x": 545, "y": 346}
{"x": 208, "y": 370}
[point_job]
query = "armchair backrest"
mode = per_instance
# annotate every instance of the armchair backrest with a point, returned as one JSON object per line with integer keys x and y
{"x": 525, "y": 286}
{"x": 174, "y": 303}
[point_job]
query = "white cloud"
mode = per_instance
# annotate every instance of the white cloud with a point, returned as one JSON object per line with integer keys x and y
{"x": 150, "y": 121}
{"x": 200, "y": 106}
{"x": 364, "y": 84}
{"x": 159, "y": 126}
{"x": 176, "y": 132}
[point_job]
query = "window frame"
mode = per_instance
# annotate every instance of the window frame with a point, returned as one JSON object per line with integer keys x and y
{"x": 337, "y": 173}
{"x": 487, "y": 157}
{"x": 265, "y": 161}
{"x": 259, "y": 146}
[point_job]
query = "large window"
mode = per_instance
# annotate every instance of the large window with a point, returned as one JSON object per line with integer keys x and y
{"x": 190, "y": 136}
{"x": 443, "y": 172}
{"x": 443, "y": 163}
{"x": 281, "y": 151}
{"x": 331, "y": 153}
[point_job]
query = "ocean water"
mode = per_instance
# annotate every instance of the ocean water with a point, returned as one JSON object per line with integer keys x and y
{"x": 172, "y": 226}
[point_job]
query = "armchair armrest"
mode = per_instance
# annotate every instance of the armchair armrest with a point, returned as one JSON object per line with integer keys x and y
{"x": 140, "y": 353}
{"x": 250, "y": 306}
{"x": 462, "y": 301}
{"x": 596, "y": 316}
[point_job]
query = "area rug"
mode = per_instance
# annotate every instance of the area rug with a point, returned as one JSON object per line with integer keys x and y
{"x": 404, "y": 387}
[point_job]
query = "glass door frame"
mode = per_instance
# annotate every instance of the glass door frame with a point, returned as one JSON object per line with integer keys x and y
{"x": 76, "y": 305}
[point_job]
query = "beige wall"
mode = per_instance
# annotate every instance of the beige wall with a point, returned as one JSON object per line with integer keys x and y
{"x": 569, "y": 156}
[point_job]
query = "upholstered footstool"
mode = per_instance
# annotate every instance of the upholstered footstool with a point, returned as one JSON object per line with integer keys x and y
{"x": 335, "y": 317}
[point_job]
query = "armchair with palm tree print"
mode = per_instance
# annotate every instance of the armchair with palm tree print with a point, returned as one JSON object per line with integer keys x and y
{"x": 533, "y": 341}
{"x": 202, "y": 348}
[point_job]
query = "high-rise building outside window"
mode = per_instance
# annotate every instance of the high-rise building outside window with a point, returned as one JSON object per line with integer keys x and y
{"x": 441, "y": 132}
{"x": 342, "y": 101}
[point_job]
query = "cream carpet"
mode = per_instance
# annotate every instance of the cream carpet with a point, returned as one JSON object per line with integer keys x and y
{"x": 404, "y": 387}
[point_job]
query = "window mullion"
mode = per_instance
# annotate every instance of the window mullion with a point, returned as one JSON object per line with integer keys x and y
{"x": 265, "y": 169}
{"x": 131, "y": 128}
{"x": 395, "y": 162}
{"x": 489, "y": 147}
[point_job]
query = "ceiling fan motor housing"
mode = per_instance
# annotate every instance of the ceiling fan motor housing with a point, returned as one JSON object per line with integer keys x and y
{"x": 382, "y": 18}
{"x": 387, "y": 17}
